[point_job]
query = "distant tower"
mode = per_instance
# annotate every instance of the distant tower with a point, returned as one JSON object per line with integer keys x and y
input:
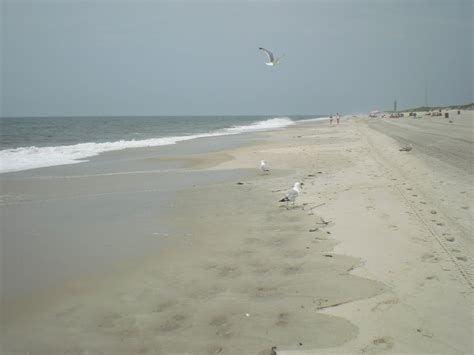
{"x": 426, "y": 92}
{"x": 426, "y": 95}
{"x": 395, "y": 106}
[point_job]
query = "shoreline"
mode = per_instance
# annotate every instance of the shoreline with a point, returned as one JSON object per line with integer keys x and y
{"x": 360, "y": 298}
{"x": 31, "y": 157}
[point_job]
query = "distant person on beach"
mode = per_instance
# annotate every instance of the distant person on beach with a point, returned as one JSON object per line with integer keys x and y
{"x": 338, "y": 117}
{"x": 330, "y": 119}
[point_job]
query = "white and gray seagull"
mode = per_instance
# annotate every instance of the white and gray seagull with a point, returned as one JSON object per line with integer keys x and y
{"x": 263, "y": 167}
{"x": 271, "y": 59}
{"x": 292, "y": 194}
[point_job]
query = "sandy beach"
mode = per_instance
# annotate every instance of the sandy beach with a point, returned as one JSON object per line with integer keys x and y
{"x": 376, "y": 256}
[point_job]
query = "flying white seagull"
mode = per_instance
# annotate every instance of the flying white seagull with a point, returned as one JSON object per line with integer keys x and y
{"x": 292, "y": 194}
{"x": 271, "y": 59}
{"x": 263, "y": 167}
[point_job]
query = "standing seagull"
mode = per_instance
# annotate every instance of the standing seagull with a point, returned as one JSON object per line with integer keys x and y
{"x": 263, "y": 167}
{"x": 271, "y": 59}
{"x": 292, "y": 194}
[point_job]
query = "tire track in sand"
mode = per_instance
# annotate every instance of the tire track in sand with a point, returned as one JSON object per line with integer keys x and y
{"x": 463, "y": 269}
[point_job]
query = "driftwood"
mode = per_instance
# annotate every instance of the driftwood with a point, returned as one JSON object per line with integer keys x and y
{"x": 323, "y": 221}
{"x": 312, "y": 208}
{"x": 321, "y": 204}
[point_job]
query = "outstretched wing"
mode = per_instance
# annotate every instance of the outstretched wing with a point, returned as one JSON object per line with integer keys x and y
{"x": 268, "y": 53}
{"x": 278, "y": 60}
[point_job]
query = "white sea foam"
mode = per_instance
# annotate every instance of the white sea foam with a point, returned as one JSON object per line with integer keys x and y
{"x": 262, "y": 125}
{"x": 314, "y": 119}
{"x": 26, "y": 158}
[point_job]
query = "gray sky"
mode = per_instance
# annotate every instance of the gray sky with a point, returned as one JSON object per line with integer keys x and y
{"x": 201, "y": 57}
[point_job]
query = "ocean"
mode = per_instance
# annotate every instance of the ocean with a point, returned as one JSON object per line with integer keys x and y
{"x": 35, "y": 142}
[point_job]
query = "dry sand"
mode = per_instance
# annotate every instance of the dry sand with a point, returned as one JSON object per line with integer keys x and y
{"x": 390, "y": 273}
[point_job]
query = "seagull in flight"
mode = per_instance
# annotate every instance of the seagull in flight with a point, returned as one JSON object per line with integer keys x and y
{"x": 263, "y": 167}
{"x": 271, "y": 59}
{"x": 292, "y": 194}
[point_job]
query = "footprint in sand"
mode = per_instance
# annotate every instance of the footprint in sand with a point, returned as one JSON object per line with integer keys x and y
{"x": 430, "y": 258}
{"x": 379, "y": 344}
{"x": 204, "y": 292}
{"x": 108, "y": 320}
{"x": 228, "y": 271}
{"x": 260, "y": 268}
{"x": 462, "y": 258}
{"x": 270, "y": 351}
{"x": 241, "y": 253}
{"x": 214, "y": 350}
{"x": 393, "y": 227}
{"x": 425, "y": 333}
{"x": 283, "y": 319}
{"x": 223, "y": 326}
{"x": 266, "y": 291}
{"x": 224, "y": 270}
{"x": 276, "y": 242}
{"x": 218, "y": 321}
{"x": 294, "y": 253}
{"x": 384, "y": 343}
{"x": 164, "y": 305}
{"x": 128, "y": 332}
{"x": 292, "y": 269}
{"x": 465, "y": 207}
{"x": 174, "y": 322}
{"x": 251, "y": 240}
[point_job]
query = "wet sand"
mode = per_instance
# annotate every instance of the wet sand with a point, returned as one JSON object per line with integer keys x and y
{"x": 69, "y": 221}
{"x": 388, "y": 273}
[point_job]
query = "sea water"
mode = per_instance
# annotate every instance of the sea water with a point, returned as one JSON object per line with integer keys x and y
{"x": 35, "y": 142}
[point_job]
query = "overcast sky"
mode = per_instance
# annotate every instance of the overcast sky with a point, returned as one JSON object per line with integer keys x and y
{"x": 73, "y": 58}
